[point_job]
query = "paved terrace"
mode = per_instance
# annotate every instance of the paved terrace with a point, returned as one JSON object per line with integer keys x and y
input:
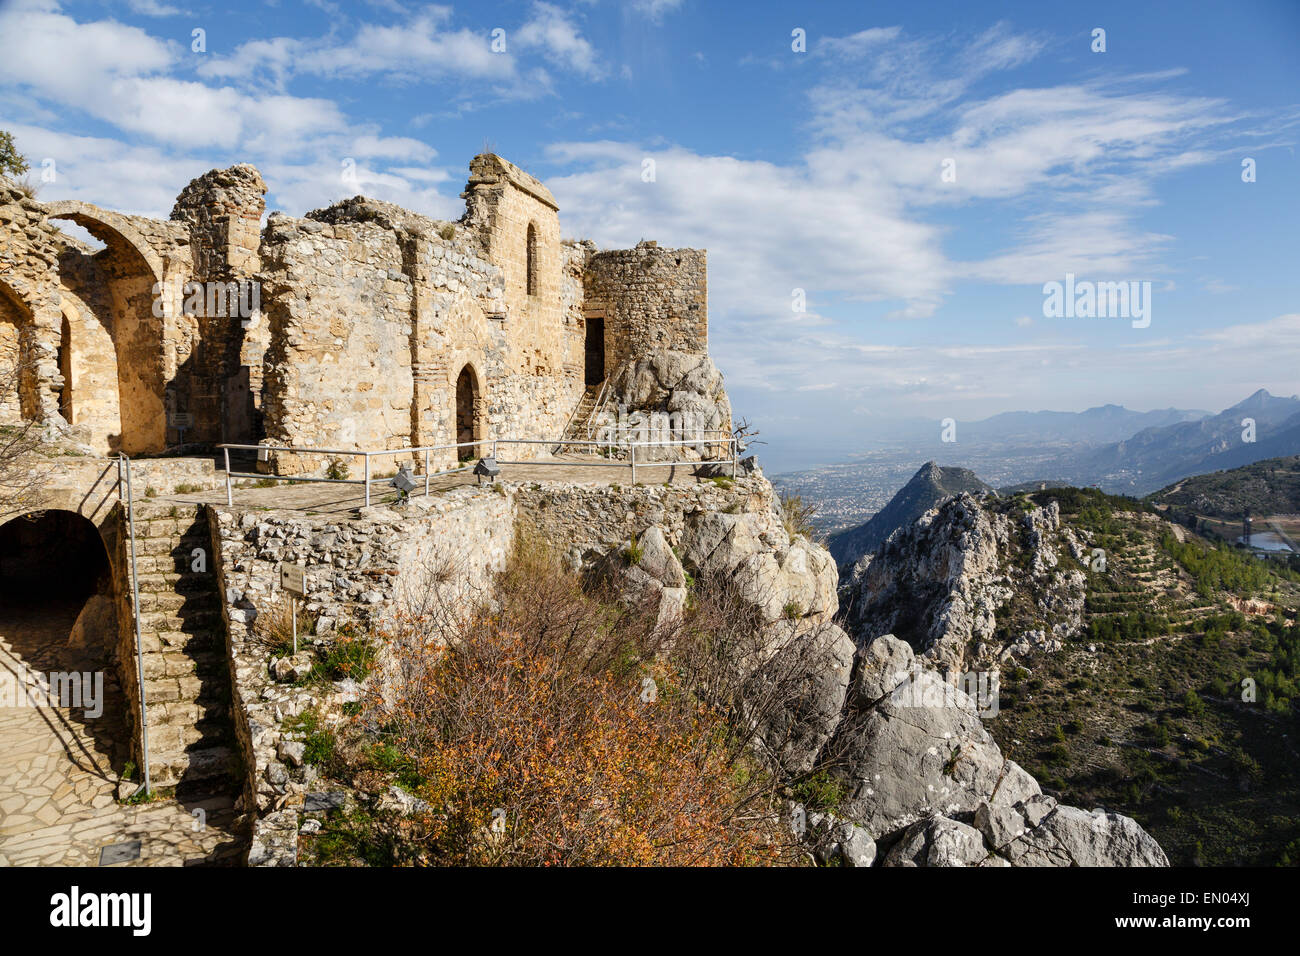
{"x": 319, "y": 498}
{"x": 59, "y": 771}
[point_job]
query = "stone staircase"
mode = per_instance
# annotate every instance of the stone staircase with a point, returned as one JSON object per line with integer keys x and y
{"x": 579, "y": 426}
{"x": 186, "y": 672}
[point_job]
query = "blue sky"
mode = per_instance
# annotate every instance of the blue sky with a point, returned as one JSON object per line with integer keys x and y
{"x": 819, "y": 170}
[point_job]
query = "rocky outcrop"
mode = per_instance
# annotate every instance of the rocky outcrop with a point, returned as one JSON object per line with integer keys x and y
{"x": 917, "y": 750}
{"x": 1039, "y": 832}
{"x": 938, "y": 841}
{"x": 920, "y": 774}
{"x": 941, "y": 583}
{"x": 667, "y": 395}
{"x": 924, "y": 778}
{"x": 810, "y": 672}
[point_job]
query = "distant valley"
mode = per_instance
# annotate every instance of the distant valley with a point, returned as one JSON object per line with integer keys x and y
{"x": 1115, "y": 449}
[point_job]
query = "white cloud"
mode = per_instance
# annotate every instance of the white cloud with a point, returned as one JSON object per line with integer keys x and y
{"x": 550, "y": 30}
{"x": 154, "y": 8}
{"x": 655, "y": 10}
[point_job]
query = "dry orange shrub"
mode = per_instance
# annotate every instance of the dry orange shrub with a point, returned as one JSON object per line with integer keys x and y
{"x": 551, "y": 730}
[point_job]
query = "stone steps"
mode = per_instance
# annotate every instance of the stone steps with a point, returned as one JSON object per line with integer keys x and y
{"x": 577, "y": 429}
{"x": 186, "y": 668}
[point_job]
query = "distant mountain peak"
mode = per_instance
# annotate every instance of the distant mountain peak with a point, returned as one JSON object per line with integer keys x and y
{"x": 1255, "y": 399}
{"x": 925, "y": 489}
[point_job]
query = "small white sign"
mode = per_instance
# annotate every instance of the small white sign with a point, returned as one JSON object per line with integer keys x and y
{"x": 293, "y": 578}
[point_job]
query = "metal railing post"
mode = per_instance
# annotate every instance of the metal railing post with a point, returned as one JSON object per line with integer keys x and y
{"x": 367, "y": 479}
{"x": 230, "y": 494}
{"x": 634, "y": 463}
{"x": 135, "y": 613}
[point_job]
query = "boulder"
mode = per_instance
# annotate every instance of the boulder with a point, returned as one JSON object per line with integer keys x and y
{"x": 809, "y": 678}
{"x": 1069, "y": 836}
{"x": 883, "y": 665}
{"x": 920, "y": 751}
{"x": 938, "y": 841}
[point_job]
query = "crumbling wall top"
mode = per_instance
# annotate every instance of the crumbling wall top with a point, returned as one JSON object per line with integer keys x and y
{"x": 359, "y": 209}
{"x": 489, "y": 169}
{"x": 237, "y": 190}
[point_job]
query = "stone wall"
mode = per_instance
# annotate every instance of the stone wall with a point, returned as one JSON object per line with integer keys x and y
{"x": 356, "y": 570}
{"x": 223, "y": 211}
{"x": 11, "y": 323}
{"x": 28, "y": 281}
{"x": 370, "y": 317}
{"x": 399, "y": 307}
{"x": 338, "y": 369}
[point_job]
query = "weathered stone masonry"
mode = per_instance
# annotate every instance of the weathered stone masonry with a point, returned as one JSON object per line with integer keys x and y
{"x": 373, "y": 326}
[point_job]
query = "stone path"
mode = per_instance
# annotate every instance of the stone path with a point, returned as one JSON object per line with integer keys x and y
{"x": 59, "y": 770}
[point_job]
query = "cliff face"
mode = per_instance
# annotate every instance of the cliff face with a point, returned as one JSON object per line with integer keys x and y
{"x": 924, "y": 782}
{"x": 973, "y": 582}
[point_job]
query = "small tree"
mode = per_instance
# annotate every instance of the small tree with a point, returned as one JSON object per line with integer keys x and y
{"x": 12, "y": 162}
{"x": 22, "y": 472}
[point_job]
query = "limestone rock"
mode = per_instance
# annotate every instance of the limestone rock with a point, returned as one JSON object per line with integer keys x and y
{"x": 810, "y": 675}
{"x": 938, "y": 841}
{"x": 1069, "y": 836}
{"x": 905, "y": 759}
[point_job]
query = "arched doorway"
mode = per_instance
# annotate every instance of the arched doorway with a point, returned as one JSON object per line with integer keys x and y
{"x": 66, "y": 732}
{"x": 16, "y": 385}
{"x": 467, "y": 413}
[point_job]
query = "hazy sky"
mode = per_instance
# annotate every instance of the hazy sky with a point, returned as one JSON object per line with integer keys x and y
{"x": 821, "y": 170}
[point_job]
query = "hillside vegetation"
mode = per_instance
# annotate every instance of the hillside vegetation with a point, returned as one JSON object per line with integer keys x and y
{"x": 1177, "y": 701}
{"x": 1266, "y": 487}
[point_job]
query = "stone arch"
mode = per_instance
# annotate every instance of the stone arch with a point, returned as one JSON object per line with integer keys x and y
{"x": 88, "y": 361}
{"x": 59, "y": 614}
{"x": 55, "y": 552}
{"x": 136, "y": 274}
{"x": 109, "y": 228}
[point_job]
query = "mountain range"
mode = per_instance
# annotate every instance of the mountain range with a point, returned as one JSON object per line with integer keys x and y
{"x": 1160, "y": 455}
{"x": 1026, "y": 450}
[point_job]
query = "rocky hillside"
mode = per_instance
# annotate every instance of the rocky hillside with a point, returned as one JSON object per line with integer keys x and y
{"x": 1266, "y": 487}
{"x": 1140, "y": 667}
{"x": 872, "y": 756}
{"x": 930, "y": 485}
{"x": 973, "y": 582}
{"x": 1155, "y": 457}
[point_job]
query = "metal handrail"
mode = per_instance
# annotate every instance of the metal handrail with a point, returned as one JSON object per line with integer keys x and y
{"x": 601, "y": 398}
{"x": 124, "y": 465}
{"x": 573, "y": 422}
{"x": 730, "y": 442}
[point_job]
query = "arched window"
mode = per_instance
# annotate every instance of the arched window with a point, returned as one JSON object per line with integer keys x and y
{"x": 532, "y": 259}
{"x": 65, "y": 369}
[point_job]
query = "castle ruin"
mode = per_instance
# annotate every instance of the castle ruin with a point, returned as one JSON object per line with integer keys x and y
{"x": 358, "y": 326}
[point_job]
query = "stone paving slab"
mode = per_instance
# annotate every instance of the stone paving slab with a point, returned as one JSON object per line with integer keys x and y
{"x": 59, "y": 769}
